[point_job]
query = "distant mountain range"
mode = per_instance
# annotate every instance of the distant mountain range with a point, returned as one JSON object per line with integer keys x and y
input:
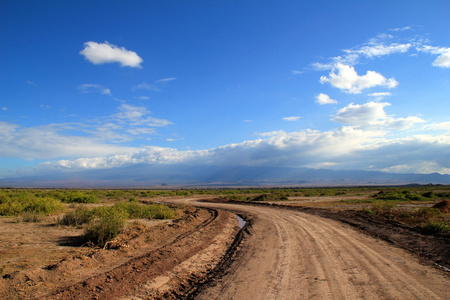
{"x": 145, "y": 175}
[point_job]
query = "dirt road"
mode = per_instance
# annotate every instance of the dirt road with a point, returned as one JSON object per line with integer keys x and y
{"x": 295, "y": 255}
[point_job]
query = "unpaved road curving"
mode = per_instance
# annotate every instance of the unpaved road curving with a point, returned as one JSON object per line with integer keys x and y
{"x": 296, "y": 255}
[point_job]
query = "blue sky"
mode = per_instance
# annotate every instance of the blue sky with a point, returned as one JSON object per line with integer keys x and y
{"x": 361, "y": 85}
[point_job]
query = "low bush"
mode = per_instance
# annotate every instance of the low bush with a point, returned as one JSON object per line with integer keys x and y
{"x": 383, "y": 208}
{"x": 103, "y": 229}
{"x": 143, "y": 211}
{"x": 430, "y": 219}
{"x": 32, "y": 217}
{"x": 436, "y": 227}
{"x": 270, "y": 197}
{"x": 20, "y": 202}
{"x": 78, "y": 197}
{"x": 81, "y": 215}
{"x": 404, "y": 195}
{"x": 105, "y": 223}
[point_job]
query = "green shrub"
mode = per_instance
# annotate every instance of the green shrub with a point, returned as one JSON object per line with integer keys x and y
{"x": 399, "y": 196}
{"x": 103, "y": 229}
{"x": 428, "y": 194}
{"x": 162, "y": 212}
{"x": 383, "y": 209}
{"x": 143, "y": 211}
{"x": 78, "y": 197}
{"x": 81, "y": 215}
{"x": 428, "y": 212}
{"x": 20, "y": 202}
{"x": 436, "y": 226}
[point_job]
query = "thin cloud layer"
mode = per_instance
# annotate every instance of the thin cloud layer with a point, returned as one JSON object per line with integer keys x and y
{"x": 94, "y": 88}
{"x": 369, "y": 142}
{"x": 93, "y": 138}
{"x": 346, "y": 147}
{"x": 291, "y": 119}
{"x": 102, "y": 53}
{"x": 384, "y": 45}
{"x": 49, "y": 141}
{"x": 374, "y": 49}
{"x": 156, "y": 86}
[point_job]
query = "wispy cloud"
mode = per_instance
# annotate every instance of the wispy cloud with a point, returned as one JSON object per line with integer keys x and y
{"x": 101, "y": 53}
{"x": 138, "y": 116}
{"x": 401, "y": 28}
{"x": 101, "y": 136}
{"x": 94, "y": 88}
{"x": 143, "y": 98}
{"x": 165, "y": 80}
{"x": 322, "y": 67}
{"x": 388, "y": 44}
{"x": 49, "y": 142}
{"x": 156, "y": 86}
{"x": 174, "y": 140}
{"x": 375, "y": 50}
{"x": 379, "y": 96}
{"x": 146, "y": 86}
{"x": 291, "y": 119}
{"x": 438, "y": 126}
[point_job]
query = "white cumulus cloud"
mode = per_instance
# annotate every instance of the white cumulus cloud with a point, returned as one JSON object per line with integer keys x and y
{"x": 373, "y": 115}
{"x": 348, "y": 80}
{"x": 443, "y": 60}
{"x": 323, "y": 99}
{"x": 101, "y": 53}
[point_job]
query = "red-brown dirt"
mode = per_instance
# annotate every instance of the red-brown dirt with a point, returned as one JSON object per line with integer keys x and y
{"x": 443, "y": 206}
{"x": 134, "y": 260}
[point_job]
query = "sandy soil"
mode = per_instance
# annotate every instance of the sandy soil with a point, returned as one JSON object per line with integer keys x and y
{"x": 296, "y": 255}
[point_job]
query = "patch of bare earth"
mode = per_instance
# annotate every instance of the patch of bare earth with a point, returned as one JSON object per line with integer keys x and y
{"x": 161, "y": 261}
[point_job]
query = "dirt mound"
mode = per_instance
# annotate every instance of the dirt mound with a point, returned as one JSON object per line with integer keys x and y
{"x": 443, "y": 206}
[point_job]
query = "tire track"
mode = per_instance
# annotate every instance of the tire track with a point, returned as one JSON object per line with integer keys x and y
{"x": 295, "y": 255}
{"x": 405, "y": 285}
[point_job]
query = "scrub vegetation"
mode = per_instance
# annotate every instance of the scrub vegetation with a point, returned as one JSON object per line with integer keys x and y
{"x": 104, "y": 223}
{"x": 101, "y": 222}
{"x": 112, "y": 208}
